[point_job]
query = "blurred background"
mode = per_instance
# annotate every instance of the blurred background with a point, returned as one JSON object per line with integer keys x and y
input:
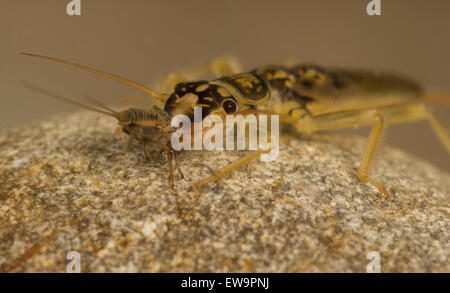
{"x": 145, "y": 40}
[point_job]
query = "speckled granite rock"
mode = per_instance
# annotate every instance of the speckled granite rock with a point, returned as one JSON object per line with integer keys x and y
{"x": 305, "y": 212}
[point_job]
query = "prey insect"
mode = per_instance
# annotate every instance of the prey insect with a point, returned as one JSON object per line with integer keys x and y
{"x": 309, "y": 97}
{"x": 148, "y": 127}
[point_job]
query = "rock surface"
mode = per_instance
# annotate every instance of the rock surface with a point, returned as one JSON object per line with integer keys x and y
{"x": 305, "y": 212}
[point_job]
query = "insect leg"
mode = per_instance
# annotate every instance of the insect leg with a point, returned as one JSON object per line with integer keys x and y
{"x": 169, "y": 161}
{"x": 169, "y": 82}
{"x": 147, "y": 154}
{"x": 170, "y": 157}
{"x": 234, "y": 165}
{"x": 126, "y": 148}
{"x": 177, "y": 165}
{"x": 393, "y": 114}
{"x": 437, "y": 99}
{"x": 354, "y": 118}
{"x": 372, "y": 141}
{"x": 173, "y": 154}
{"x": 220, "y": 66}
{"x": 225, "y": 65}
{"x": 439, "y": 129}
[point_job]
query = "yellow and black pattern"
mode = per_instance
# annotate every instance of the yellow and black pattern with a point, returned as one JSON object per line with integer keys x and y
{"x": 252, "y": 90}
{"x": 291, "y": 92}
{"x": 249, "y": 85}
{"x": 203, "y": 94}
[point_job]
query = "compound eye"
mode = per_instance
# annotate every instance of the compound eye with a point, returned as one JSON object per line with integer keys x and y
{"x": 229, "y": 106}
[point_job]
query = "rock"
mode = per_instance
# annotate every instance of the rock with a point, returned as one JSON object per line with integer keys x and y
{"x": 305, "y": 212}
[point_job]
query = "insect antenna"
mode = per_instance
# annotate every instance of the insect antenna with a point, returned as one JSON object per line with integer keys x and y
{"x": 69, "y": 101}
{"x": 101, "y": 73}
{"x": 99, "y": 104}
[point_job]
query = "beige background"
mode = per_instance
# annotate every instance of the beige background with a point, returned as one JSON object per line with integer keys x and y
{"x": 144, "y": 40}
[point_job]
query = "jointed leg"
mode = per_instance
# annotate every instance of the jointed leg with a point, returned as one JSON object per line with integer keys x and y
{"x": 395, "y": 114}
{"x": 372, "y": 141}
{"x": 170, "y": 155}
{"x": 225, "y": 65}
{"x": 148, "y": 156}
{"x": 126, "y": 148}
{"x": 169, "y": 161}
{"x": 219, "y": 66}
{"x": 171, "y": 181}
{"x": 234, "y": 165}
{"x": 177, "y": 164}
{"x": 169, "y": 82}
{"x": 441, "y": 132}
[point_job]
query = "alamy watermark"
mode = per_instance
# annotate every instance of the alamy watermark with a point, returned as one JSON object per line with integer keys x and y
{"x": 73, "y": 7}
{"x": 374, "y": 7}
{"x": 251, "y": 132}
{"x": 74, "y": 266}
{"x": 374, "y": 266}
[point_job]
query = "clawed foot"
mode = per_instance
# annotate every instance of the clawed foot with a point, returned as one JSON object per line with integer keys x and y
{"x": 110, "y": 157}
{"x": 196, "y": 186}
{"x": 382, "y": 191}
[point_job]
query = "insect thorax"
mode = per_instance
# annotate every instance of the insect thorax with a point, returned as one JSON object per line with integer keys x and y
{"x": 270, "y": 88}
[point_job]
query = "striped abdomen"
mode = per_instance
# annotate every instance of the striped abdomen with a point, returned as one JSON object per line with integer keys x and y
{"x": 138, "y": 116}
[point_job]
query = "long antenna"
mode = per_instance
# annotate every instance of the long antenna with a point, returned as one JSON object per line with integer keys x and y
{"x": 99, "y": 72}
{"x": 61, "y": 98}
{"x": 100, "y": 104}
